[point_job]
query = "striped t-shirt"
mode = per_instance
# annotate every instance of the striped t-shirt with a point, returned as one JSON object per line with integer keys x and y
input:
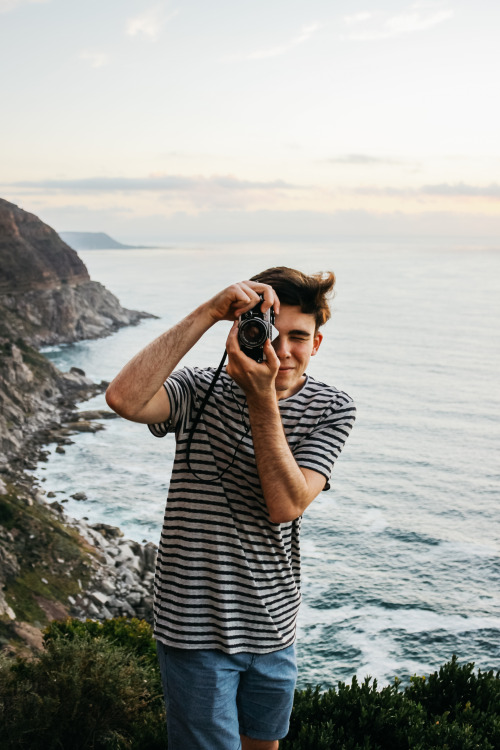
{"x": 226, "y": 576}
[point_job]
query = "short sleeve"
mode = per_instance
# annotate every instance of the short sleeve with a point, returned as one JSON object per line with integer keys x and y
{"x": 181, "y": 390}
{"x": 320, "y": 448}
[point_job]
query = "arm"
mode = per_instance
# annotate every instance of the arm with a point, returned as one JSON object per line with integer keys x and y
{"x": 137, "y": 392}
{"x": 287, "y": 488}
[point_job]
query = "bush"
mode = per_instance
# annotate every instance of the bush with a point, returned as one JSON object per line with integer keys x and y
{"x": 462, "y": 708}
{"x": 131, "y": 634}
{"x": 453, "y": 709}
{"x": 82, "y": 692}
{"x": 352, "y": 717}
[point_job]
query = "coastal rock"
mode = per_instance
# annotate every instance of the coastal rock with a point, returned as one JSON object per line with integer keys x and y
{"x": 121, "y": 580}
{"x": 34, "y": 256}
{"x": 46, "y": 297}
{"x": 48, "y": 561}
{"x": 46, "y": 294}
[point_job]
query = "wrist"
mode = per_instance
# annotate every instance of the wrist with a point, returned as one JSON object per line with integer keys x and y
{"x": 206, "y": 315}
{"x": 262, "y": 400}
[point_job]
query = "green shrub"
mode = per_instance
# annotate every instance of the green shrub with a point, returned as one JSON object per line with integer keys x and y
{"x": 82, "y": 692}
{"x": 462, "y": 708}
{"x": 131, "y": 634}
{"x": 453, "y": 709}
{"x": 352, "y": 717}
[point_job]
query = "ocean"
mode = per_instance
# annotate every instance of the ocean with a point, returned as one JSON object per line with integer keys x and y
{"x": 401, "y": 557}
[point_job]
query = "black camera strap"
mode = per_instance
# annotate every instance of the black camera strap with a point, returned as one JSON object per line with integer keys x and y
{"x": 195, "y": 424}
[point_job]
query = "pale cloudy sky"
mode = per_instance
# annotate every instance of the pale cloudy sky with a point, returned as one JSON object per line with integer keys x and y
{"x": 276, "y": 118}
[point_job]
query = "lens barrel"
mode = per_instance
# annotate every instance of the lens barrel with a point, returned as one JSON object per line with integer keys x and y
{"x": 252, "y": 333}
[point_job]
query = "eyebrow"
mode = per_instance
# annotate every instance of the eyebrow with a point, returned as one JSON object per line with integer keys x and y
{"x": 298, "y": 332}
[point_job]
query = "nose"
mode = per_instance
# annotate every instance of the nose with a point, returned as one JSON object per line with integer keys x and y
{"x": 281, "y": 347}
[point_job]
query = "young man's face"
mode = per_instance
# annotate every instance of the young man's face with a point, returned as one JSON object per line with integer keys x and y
{"x": 297, "y": 342}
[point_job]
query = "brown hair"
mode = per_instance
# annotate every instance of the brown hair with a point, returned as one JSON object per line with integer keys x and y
{"x": 310, "y": 293}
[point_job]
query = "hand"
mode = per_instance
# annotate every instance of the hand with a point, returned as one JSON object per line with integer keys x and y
{"x": 241, "y": 297}
{"x": 256, "y": 379}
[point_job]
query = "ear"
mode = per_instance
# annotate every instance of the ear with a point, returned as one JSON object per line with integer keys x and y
{"x": 318, "y": 338}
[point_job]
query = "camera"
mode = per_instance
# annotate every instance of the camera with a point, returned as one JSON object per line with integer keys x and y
{"x": 254, "y": 327}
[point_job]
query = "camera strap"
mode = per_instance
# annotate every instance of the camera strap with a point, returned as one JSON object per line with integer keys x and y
{"x": 195, "y": 424}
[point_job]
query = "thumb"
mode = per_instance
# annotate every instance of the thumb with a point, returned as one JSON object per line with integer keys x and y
{"x": 271, "y": 355}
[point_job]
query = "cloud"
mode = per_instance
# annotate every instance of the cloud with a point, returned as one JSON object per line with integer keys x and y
{"x": 7, "y": 5}
{"x": 272, "y": 225}
{"x": 361, "y": 160}
{"x": 458, "y": 190}
{"x": 306, "y": 33}
{"x": 150, "y": 23}
{"x": 461, "y": 189}
{"x": 155, "y": 183}
{"x": 166, "y": 192}
{"x": 95, "y": 59}
{"x": 418, "y": 17}
{"x": 358, "y": 18}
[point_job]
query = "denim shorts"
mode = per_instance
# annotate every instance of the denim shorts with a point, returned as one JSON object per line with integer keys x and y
{"x": 212, "y": 697}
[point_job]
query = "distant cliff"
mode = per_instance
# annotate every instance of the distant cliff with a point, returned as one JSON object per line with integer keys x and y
{"x": 93, "y": 241}
{"x": 46, "y": 294}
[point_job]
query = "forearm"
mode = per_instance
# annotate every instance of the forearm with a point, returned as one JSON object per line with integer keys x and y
{"x": 140, "y": 380}
{"x": 284, "y": 486}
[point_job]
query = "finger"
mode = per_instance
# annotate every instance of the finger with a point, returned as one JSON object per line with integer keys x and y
{"x": 233, "y": 331}
{"x": 232, "y": 339}
{"x": 271, "y": 355}
{"x": 270, "y": 297}
{"x": 242, "y": 297}
{"x": 252, "y": 298}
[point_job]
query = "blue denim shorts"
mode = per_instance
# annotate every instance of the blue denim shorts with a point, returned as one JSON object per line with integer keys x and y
{"x": 212, "y": 697}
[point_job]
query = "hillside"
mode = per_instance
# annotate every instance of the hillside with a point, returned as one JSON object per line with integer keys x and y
{"x": 32, "y": 254}
{"x": 93, "y": 241}
{"x": 46, "y": 294}
{"x": 50, "y": 565}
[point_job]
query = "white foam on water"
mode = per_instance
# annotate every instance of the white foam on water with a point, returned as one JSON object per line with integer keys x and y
{"x": 308, "y": 549}
{"x": 376, "y": 634}
{"x": 376, "y": 620}
{"x": 373, "y": 521}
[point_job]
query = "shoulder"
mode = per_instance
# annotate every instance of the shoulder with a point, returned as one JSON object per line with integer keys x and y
{"x": 193, "y": 375}
{"x": 317, "y": 392}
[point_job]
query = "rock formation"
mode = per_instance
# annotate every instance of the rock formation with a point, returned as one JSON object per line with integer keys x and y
{"x": 50, "y": 565}
{"x": 46, "y": 294}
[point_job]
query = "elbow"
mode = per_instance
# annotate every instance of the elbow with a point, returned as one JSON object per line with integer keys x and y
{"x": 285, "y": 515}
{"x": 114, "y": 401}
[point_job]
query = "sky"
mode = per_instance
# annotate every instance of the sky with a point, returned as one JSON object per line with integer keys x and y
{"x": 256, "y": 120}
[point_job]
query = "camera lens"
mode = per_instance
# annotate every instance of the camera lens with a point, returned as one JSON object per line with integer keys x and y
{"x": 252, "y": 333}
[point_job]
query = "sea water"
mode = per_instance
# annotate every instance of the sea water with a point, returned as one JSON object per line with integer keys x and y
{"x": 401, "y": 557}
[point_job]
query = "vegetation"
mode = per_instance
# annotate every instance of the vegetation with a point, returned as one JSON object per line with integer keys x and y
{"x": 49, "y": 561}
{"x": 90, "y": 688}
{"x": 132, "y": 634}
{"x": 453, "y": 709}
{"x": 97, "y": 686}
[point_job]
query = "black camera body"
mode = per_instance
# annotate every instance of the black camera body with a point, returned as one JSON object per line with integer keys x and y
{"x": 254, "y": 328}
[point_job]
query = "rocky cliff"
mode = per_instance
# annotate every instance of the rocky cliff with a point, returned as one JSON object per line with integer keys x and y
{"x": 50, "y": 565}
{"x": 32, "y": 254}
{"x": 46, "y": 294}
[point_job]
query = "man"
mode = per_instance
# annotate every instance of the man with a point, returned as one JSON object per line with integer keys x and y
{"x": 227, "y": 587}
